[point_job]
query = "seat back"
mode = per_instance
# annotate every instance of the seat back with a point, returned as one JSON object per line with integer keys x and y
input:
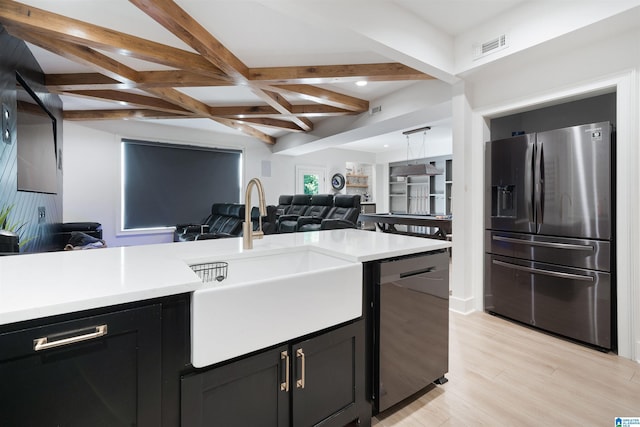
{"x": 345, "y": 207}
{"x": 268, "y": 221}
{"x": 320, "y": 205}
{"x": 227, "y": 219}
{"x": 299, "y": 204}
{"x": 284, "y": 203}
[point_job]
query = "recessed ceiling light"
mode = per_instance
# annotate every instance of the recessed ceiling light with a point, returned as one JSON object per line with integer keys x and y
{"x": 386, "y": 145}
{"x": 361, "y": 83}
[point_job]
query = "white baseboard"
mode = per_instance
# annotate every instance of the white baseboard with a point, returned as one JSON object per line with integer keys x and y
{"x": 637, "y": 355}
{"x": 462, "y": 306}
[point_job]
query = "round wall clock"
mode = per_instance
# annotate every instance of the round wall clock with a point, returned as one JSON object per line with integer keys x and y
{"x": 337, "y": 181}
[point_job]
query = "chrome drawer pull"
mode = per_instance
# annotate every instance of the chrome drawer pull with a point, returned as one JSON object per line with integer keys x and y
{"x": 43, "y": 343}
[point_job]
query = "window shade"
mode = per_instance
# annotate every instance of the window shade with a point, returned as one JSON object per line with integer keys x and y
{"x": 166, "y": 184}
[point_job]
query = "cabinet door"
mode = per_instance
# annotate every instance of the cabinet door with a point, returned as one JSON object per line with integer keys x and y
{"x": 94, "y": 371}
{"x": 328, "y": 383}
{"x": 248, "y": 392}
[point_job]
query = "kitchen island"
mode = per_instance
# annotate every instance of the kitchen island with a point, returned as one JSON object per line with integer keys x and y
{"x": 151, "y": 294}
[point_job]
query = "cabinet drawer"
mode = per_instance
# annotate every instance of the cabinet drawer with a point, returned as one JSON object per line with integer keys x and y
{"x": 101, "y": 370}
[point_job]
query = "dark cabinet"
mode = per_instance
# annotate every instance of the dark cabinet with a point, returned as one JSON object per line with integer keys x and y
{"x": 100, "y": 370}
{"x": 242, "y": 393}
{"x": 318, "y": 380}
{"x": 328, "y": 379}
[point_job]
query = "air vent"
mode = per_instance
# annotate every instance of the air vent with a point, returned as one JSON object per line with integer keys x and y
{"x": 375, "y": 110}
{"x": 490, "y": 46}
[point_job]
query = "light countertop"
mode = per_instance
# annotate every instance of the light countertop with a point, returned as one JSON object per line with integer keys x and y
{"x": 39, "y": 285}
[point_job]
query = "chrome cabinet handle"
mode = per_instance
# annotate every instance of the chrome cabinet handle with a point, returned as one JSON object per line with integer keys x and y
{"x": 300, "y": 355}
{"x": 545, "y": 272}
{"x": 43, "y": 343}
{"x": 285, "y": 385}
{"x": 544, "y": 244}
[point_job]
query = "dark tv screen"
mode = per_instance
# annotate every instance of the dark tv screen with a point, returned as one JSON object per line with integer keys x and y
{"x": 36, "y": 143}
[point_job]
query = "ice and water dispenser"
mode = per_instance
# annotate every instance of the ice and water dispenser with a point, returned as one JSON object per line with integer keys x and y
{"x": 503, "y": 201}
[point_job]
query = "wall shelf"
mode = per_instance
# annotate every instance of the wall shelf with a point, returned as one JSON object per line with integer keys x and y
{"x": 422, "y": 194}
{"x": 358, "y": 183}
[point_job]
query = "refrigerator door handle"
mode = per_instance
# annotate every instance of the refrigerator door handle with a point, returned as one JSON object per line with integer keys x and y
{"x": 545, "y": 272}
{"x": 544, "y": 244}
{"x": 539, "y": 184}
{"x": 528, "y": 181}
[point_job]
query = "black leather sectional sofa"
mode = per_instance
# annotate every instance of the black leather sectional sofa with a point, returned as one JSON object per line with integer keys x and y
{"x": 225, "y": 220}
{"x": 317, "y": 212}
{"x": 293, "y": 213}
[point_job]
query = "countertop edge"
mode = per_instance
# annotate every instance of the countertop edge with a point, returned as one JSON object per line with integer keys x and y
{"x": 35, "y": 296}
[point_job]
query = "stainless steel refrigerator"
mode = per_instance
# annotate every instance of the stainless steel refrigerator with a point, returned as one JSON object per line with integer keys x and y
{"x": 549, "y": 231}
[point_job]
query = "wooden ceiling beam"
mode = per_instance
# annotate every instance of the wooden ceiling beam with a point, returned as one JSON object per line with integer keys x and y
{"x": 319, "y": 110}
{"x": 143, "y": 101}
{"x": 273, "y": 123}
{"x": 81, "y": 54}
{"x": 323, "y": 74}
{"x": 268, "y": 111}
{"x": 124, "y": 114}
{"x": 56, "y": 26}
{"x": 179, "y": 78}
{"x": 278, "y": 102}
{"x": 181, "y": 99}
{"x": 145, "y": 79}
{"x": 82, "y": 81}
{"x": 213, "y": 65}
{"x": 324, "y": 96}
{"x": 172, "y": 17}
{"x": 246, "y": 129}
{"x": 198, "y": 107}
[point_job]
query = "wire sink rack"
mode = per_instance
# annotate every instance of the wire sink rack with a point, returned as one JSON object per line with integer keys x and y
{"x": 211, "y": 271}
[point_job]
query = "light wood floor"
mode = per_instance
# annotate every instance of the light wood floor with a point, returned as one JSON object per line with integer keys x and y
{"x": 502, "y": 374}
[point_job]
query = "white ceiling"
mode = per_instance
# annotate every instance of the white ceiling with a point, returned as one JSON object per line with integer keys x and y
{"x": 265, "y": 33}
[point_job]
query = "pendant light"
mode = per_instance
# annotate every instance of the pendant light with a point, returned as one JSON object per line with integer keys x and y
{"x": 416, "y": 168}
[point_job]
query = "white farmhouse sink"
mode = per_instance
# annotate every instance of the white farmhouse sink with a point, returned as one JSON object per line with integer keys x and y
{"x": 269, "y": 299}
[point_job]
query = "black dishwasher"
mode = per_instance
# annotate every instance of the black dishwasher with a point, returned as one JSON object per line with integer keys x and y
{"x": 410, "y": 326}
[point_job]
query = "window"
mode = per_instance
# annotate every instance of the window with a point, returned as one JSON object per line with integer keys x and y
{"x": 310, "y": 180}
{"x": 168, "y": 184}
{"x": 311, "y": 184}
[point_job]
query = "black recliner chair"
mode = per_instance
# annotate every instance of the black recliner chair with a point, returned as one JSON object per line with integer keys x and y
{"x": 284, "y": 203}
{"x": 225, "y": 221}
{"x": 299, "y": 204}
{"x": 343, "y": 214}
{"x": 268, "y": 221}
{"x": 319, "y": 207}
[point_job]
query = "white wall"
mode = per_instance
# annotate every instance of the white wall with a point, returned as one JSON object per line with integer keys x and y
{"x": 560, "y": 71}
{"x": 92, "y": 172}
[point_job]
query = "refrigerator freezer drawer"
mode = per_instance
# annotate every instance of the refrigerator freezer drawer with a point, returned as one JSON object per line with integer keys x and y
{"x": 507, "y": 291}
{"x": 572, "y": 302}
{"x": 578, "y": 253}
